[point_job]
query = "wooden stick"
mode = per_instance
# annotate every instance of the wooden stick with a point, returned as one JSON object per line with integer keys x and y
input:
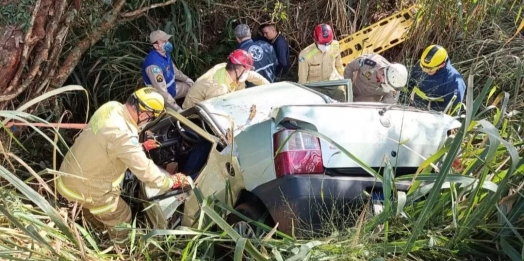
{"x": 49, "y": 125}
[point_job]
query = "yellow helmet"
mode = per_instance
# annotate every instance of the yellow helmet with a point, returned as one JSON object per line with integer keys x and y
{"x": 433, "y": 56}
{"x": 149, "y": 99}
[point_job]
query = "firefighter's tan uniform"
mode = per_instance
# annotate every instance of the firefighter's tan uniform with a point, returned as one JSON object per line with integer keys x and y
{"x": 216, "y": 82}
{"x": 315, "y": 66}
{"x": 158, "y": 81}
{"x": 97, "y": 162}
{"x": 363, "y": 72}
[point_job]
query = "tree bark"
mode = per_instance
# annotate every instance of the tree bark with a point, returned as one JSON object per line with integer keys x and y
{"x": 30, "y": 62}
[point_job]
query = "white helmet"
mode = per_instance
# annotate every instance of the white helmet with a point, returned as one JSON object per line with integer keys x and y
{"x": 396, "y": 76}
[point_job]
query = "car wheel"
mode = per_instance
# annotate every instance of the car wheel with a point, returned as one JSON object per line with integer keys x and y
{"x": 251, "y": 211}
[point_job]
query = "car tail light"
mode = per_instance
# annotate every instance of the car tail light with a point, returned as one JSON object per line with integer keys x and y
{"x": 300, "y": 154}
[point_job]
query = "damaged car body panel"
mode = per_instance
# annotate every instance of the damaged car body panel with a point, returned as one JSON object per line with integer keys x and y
{"x": 217, "y": 171}
{"x": 408, "y": 136}
{"x": 254, "y": 105}
{"x": 253, "y": 147}
{"x": 302, "y": 179}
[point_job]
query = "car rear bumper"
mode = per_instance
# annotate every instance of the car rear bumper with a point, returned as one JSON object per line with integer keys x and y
{"x": 308, "y": 204}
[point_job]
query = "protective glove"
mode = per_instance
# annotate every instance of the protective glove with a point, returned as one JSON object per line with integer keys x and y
{"x": 179, "y": 180}
{"x": 151, "y": 144}
{"x": 190, "y": 81}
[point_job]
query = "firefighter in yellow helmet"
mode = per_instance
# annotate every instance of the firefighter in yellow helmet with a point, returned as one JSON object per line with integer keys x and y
{"x": 103, "y": 151}
{"x": 434, "y": 83}
{"x": 321, "y": 61}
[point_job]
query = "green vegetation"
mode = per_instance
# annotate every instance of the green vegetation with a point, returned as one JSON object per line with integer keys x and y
{"x": 467, "y": 211}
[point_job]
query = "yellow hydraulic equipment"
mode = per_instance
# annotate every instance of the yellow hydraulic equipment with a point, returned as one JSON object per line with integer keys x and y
{"x": 379, "y": 36}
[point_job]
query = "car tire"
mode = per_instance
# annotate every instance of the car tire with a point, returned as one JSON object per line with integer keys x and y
{"x": 248, "y": 210}
{"x": 252, "y": 211}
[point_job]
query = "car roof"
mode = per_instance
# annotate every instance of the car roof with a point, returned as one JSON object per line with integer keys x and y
{"x": 238, "y": 105}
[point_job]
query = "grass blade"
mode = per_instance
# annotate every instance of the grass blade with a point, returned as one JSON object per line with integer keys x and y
{"x": 39, "y": 201}
{"x": 239, "y": 249}
{"x": 35, "y": 236}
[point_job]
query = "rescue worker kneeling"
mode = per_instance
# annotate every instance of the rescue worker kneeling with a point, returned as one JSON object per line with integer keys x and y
{"x": 103, "y": 151}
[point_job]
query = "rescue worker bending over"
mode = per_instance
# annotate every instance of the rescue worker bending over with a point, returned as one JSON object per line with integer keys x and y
{"x": 103, "y": 151}
{"x": 159, "y": 71}
{"x": 375, "y": 79}
{"x": 434, "y": 82}
{"x": 280, "y": 45}
{"x": 224, "y": 78}
{"x": 321, "y": 61}
{"x": 264, "y": 58}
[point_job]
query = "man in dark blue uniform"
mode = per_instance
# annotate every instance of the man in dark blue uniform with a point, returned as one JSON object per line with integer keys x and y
{"x": 278, "y": 41}
{"x": 264, "y": 57}
{"x": 159, "y": 71}
{"x": 434, "y": 83}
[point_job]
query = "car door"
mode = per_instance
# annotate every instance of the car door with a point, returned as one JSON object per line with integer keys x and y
{"x": 322, "y": 88}
{"x": 220, "y": 177}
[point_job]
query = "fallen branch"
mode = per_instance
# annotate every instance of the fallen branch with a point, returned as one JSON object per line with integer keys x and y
{"x": 74, "y": 56}
{"x": 79, "y": 126}
{"x": 147, "y": 8}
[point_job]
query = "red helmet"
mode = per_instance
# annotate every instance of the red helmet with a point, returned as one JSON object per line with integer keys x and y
{"x": 323, "y": 34}
{"x": 242, "y": 57}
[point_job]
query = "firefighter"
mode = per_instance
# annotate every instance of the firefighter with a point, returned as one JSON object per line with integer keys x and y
{"x": 434, "y": 83}
{"x": 159, "y": 71}
{"x": 375, "y": 79}
{"x": 103, "y": 151}
{"x": 321, "y": 61}
{"x": 264, "y": 58}
{"x": 224, "y": 78}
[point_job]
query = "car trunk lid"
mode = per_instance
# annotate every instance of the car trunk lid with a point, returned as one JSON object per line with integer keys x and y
{"x": 371, "y": 132}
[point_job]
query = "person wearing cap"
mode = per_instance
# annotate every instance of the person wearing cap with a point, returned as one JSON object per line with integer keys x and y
{"x": 375, "y": 79}
{"x": 98, "y": 159}
{"x": 224, "y": 78}
{"x": 434, "y": 83}
{"x": 159, "y": 71}
{"x": 271, "y": 35}
{"x": 264, "y": 58}
{"x": 321, "y": 61}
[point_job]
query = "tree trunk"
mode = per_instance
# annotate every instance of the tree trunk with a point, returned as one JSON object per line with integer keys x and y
{"x": 29, "y": 62}
{"x": 28, "y": 59}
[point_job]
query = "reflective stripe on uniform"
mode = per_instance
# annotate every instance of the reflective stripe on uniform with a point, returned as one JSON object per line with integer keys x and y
{"x": 167, "y": 182}
{"x": 311, "y": 53}
{"x": 103, "y": 209}
{"x": 220, "y": 76}
{"x": 62, "y": 188}
{"x": 69, "y": 193}
{"x": 170, "y": 83}
{"x": 119, "y": 180}
{"x": 422, "y": 95}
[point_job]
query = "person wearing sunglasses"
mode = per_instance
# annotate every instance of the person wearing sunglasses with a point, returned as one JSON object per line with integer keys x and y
{"x": 97, "y": 161}
{"x": 434, "y": 83}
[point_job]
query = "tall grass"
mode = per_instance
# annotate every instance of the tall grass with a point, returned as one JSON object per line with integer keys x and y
{"x": 456, "y": 213}
{"x": 467, "y": 211}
